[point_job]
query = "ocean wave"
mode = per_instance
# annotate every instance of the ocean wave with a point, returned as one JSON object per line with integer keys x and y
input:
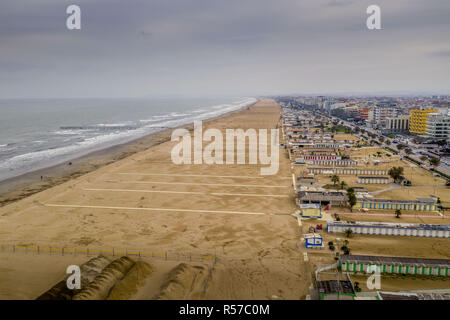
{"x": 71, "y": 132}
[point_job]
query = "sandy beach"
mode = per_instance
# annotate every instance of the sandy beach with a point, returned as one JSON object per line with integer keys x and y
{"x": 144, "y": 202}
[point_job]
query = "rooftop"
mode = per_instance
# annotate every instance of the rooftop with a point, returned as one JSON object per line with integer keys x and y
{"x": 443, "y": 227}
{"x": 322, "y": 195}
{"x": 412, "y": 296}
{"x": 393, "y": 260}
{"x": 418, "y": 200}
{"x": 310, "y": 206}
{"x": 364, "y": 177}
{"x": 334, "y": 286}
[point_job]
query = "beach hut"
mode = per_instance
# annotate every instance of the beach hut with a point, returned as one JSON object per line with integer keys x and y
{"x": 313, "y": 240}
{"x": 310, "y": 210}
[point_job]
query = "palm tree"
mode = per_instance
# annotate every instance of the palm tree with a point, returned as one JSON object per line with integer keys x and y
{"x": 352, "y": 200}
{"x": 349, "y": 233}
{"x": 395, "y": 172}
{"x": 398, "y": 213}
{"x": 346, "y": 250}
{"x": 335, "y": 179}
{"x": 434, "y": 162}
{"x": 343, "y": 184}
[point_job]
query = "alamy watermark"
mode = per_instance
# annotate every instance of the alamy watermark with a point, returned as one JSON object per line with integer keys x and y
{"x": 73, "y": 21}
{"x": 374, "y": 281}
{"x": 74, "y": 280}
{"x": 212, "y": 153}
{"x": 373, "y": 22}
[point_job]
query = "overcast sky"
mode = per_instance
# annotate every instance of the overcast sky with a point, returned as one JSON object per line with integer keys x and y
{"x": 222, "y": 47}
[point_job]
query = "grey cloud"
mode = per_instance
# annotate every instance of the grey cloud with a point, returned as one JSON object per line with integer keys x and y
{"x": 144, "y": 47}
{"x": 440, "y": 53}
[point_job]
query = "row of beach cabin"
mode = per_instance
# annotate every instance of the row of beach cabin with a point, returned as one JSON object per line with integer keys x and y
{"x": 391, "y": 229}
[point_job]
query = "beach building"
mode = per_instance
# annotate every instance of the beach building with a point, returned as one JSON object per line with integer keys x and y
{"x": 313, "y": 157}
{"x": 386, "y": 295}
{"x": 306, "y": 181}
{"x": 302, "y": 153}
{"x": 339, "y": 163}
{"x": 335, "y": 198}
{"x": 313, "y": 240}
{"x": 310, "y": 210}
{"x": 420, "y": 204}
{"x": 335, "y": 290}
{"x": 373, "y": 180}
{"x": 395, "y": 265}
{"x": 391, "y": 229}
{"x": 346, "y": 171}
{"x": 325, "y": 146}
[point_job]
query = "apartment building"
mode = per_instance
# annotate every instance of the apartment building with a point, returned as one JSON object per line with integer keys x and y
{"x": 418, "y": 120}
{"x": 438, "y": 126}
{"x": 378, "y": 114}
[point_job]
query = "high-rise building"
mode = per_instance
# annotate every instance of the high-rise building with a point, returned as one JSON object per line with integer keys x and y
{"x": 438, "y": 126}
{"x": 378, "y": 114}
{"x": 418, "y": 120}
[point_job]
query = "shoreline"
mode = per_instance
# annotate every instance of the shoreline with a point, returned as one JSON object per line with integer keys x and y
{"x": 27, "y": 184}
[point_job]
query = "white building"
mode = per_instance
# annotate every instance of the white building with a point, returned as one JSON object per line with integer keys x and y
{"x": 438, "y": 126}
{"x": 378, "y": 114}
{"x": 373, "y": 180}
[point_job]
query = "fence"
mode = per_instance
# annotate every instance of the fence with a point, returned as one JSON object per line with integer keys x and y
{"x": 11, "y": 247}
{"x": 163, "y": 255}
